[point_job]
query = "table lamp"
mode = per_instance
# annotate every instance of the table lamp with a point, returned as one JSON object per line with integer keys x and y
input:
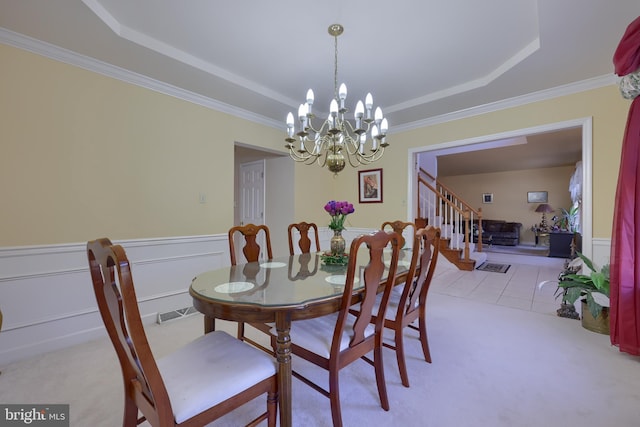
{"x": 545, "y": 209}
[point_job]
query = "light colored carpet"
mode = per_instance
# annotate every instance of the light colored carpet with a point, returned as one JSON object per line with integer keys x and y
{"x": 492, "y": 366}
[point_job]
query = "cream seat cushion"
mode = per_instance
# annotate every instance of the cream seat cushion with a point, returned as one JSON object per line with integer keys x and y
{"x": 210, "y": 370}
{"x": 316, "y": 334}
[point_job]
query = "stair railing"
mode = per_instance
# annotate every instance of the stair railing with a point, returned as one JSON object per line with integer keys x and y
{"x": 442, "y": 206}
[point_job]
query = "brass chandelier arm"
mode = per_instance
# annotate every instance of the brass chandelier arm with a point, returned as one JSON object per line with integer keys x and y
{"x": 366, "y": 159}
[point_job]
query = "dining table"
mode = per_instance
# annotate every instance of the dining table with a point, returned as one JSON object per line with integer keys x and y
{"x": 279, "y": 291}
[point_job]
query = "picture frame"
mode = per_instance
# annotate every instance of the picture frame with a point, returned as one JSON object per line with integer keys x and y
{"x": 370, "y": 186}
{"x": 487, "y": 197}
{"x": 537, "y": 196}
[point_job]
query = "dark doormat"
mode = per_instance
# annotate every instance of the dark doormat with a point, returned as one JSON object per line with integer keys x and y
{"x": 494, "y": 268}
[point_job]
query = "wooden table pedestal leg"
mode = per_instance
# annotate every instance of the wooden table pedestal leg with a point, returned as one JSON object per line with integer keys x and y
{"x": 209, "y": 324}
{"x": 283, "y": 356}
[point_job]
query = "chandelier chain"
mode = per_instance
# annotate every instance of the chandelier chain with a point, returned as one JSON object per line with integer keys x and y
{"x": 335, "y": 68}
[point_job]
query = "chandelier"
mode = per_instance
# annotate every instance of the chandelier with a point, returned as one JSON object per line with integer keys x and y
{"x": 337, "y": 141}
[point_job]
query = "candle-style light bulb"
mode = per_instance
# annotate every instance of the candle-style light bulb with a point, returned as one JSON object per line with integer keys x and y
{"x": 384, "y": 126}
{"x": 378, "y": 115}
{"x": 342, "y": 92}
{"x": 309, "y": 101}
{"x": 358, "y": 114}
{"x": 359, "y": 110}
{"x": 342, "y": 95}
{"x": 333, "y": 113}
{"x": 290, "y": 123}
{"x": 374, "y": 137}
{"x": 368, "y": 101}
{"x": 333, "y": 107}
{"x": 368, "y": 104}
{"x": 302, "y": 115}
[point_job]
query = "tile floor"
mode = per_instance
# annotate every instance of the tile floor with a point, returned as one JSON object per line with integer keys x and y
{"x": 517, "y": 288}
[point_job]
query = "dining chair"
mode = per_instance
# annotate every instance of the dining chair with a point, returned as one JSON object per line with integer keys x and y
{"x": 304, "y": 243}
{"x": 196, "y": 384}
{"x": 251, "y": 250}
{"x": 399, "y": 227}
{"x": 408, "y": 306}
{"x": 334, "y": 341}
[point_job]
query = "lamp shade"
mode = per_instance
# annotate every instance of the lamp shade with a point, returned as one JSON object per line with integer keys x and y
{"x": 544, "y": 207}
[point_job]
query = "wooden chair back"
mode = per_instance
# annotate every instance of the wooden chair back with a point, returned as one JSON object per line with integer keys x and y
{"x": 372, "y": 275}
{"x": 251, "y": 248}
{"x": 116, "y": 297}
{"x": 354, "y": 336}
{"x": 423, "y": 263}
{"x": 144, "y": 388}
{"x": 304, "y": 243}
{"x": 251, "y": 251}
{"x": 412, "y": 303}
{"x": 399, "y": 227}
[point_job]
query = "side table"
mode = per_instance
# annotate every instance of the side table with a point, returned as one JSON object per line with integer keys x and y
{"x": 560, "y": 244}
{"x": 541, "y": 237}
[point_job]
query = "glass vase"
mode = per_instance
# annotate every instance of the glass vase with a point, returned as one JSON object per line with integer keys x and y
{"x": 337, "y": 243}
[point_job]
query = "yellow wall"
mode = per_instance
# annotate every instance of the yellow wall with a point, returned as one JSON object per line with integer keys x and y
{"x": 84, "y": 155}
{"x": 605, "y": 105}
{"x": 509, "y": 191}
{"x": 345, "y": 187}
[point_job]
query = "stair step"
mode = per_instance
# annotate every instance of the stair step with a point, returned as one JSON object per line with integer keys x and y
{"x": 452, "y": 254}
{"x": 455, "y": 257}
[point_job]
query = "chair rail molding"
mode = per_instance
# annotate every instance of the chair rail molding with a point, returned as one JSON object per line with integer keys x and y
{"x": 48, "y": 303}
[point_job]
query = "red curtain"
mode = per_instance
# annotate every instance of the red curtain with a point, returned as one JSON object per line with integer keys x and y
{"x": 625, "y": 242}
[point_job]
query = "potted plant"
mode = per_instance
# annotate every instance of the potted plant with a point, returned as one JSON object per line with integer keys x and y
{"x": 592, "y": 289}
{"x": 568, "y": 220}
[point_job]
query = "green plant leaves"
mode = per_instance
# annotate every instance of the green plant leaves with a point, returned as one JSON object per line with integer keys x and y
{"x": 583, "y": 286}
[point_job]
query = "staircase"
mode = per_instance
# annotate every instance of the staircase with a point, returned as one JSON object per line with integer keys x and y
{"x": 441, "y": 207}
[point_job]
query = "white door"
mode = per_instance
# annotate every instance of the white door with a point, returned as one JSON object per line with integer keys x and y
{"x": 252, "y": 189}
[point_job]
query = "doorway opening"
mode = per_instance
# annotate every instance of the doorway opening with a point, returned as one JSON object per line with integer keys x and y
{"x": 418, "y": 155}
{"x": 271, "y": 199}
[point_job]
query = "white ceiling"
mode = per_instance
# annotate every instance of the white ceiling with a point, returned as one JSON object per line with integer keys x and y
{"x": 542, "y": 150}
{"x": 420, "y": 59}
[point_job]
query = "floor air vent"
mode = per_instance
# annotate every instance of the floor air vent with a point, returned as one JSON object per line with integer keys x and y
{"x": 176, "y": 314}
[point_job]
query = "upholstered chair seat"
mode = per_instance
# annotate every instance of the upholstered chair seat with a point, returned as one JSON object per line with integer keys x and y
{"x": 204, "y": 373}
{"x": 312, "y": 333}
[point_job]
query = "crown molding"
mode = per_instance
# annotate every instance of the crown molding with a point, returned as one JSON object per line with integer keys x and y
{"x": 72, "y": 58}
{"x": 57, "y": 53}
{"x": 543, "y": 95}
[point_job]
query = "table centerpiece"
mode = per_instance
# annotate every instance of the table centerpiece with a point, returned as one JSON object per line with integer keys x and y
{"x": 338, "y": 210}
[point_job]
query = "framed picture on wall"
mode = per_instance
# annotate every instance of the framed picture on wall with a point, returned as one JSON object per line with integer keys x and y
{"x": 370, "y": 186}
{"x": 537, "y": 197}
{"x": 487, "y": 197}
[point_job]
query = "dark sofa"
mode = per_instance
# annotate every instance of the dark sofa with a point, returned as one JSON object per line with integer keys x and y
{"x": 498, "y": 232}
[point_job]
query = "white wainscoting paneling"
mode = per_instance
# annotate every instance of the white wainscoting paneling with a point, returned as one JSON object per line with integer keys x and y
{"x": 47, "y": 299}
{"x": 601, "y": 250}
